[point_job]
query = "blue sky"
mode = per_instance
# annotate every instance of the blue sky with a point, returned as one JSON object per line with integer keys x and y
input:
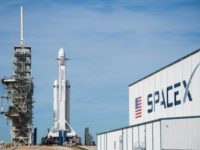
{"x": 111, "y": 43}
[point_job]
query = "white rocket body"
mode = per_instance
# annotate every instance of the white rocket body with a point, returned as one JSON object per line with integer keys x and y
{"x": 61, "y": 104}
{"x": 62, "y": 90}
{"x": 55, "y": 104}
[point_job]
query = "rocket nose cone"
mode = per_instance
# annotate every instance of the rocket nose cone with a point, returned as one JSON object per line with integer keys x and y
{"x": 61, "y": 53}
{"x": 55, "y": 82}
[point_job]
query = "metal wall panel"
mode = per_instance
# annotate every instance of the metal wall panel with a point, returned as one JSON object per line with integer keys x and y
{"x": 156, "y": 136}
{"x": 130, "y": 138}
{"x": 149, "y": 136}
{"x": 147, "y": 89}
{"x": 168, "y": 134}
{"x": 196, "y": 79}
{"x": 130, "y": 105}
{"x": 124, "y": 139}
{"x": 114, "y": 140}
{"x": 158, "y": 85}
{"x": 142, "y": 136}
{"x": 132, "y": 92}
{"x": 181, "y": 134}
{"x": 164, "y": 81}
{"x": 105, "y": 142}
{"x": 98, "y": 142}
{"x": 170, "y": 82}
{"x": 178, "y": 77}
{"x": 135, "y": 137}
{"x": 186, "y": 107}
{"x": 170, "y": 92}
{"x": 102, "y": 142}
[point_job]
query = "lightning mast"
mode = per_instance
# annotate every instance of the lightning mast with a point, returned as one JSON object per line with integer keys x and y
{"x": 19, "y": 91}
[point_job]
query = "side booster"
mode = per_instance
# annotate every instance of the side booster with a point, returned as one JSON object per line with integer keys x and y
{"x": 61, "y": 103}
{"x": 56, "y": 110}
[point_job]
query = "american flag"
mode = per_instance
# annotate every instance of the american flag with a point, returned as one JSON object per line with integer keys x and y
{"x": 138, "y": 107}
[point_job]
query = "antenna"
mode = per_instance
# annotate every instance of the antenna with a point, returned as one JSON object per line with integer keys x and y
{"x": 22, "y": 27}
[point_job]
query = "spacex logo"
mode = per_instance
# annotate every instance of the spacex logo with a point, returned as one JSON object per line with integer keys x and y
{"x": 171, "y": 96}
{"x": 161, "y": 97}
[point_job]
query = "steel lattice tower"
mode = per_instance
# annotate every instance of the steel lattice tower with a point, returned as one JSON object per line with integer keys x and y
{"x": 19, "y": 90}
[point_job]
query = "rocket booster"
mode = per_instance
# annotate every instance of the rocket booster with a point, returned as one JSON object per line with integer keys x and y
{"x": 61, "y": 95}
{"x": 61, "y": 104}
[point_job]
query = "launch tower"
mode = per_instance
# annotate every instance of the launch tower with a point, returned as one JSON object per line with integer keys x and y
{"x": 19, "y": 91}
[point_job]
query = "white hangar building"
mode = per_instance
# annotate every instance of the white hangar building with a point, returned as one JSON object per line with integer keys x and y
{"x": 164, "y": 110}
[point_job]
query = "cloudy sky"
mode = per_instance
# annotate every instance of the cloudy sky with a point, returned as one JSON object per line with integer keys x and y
{"x": 111, "y": 43}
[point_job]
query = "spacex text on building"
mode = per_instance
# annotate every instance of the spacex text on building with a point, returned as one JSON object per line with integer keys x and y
{"x": 160, "y": 98}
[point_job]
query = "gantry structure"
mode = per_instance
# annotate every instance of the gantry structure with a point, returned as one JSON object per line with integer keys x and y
{"x": 19, "y": 91}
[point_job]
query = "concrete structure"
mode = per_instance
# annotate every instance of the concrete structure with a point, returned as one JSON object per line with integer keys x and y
{"x": 61, "y": 107}
{"x": 163, "y": 110}
{"x": 19, "y": 91}
{"x": 88, "y": 138}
